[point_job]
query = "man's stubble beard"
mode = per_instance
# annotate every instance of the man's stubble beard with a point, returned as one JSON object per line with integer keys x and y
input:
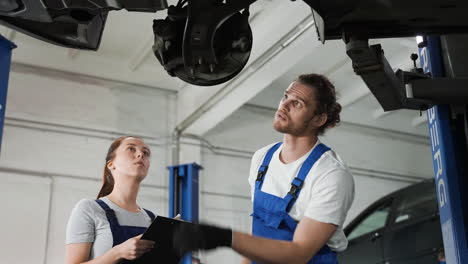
{"x": 277, "y": 126}
{"x": 289, "y": 129}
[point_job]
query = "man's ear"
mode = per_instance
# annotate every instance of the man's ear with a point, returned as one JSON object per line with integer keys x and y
{"x": 321, "y": 119}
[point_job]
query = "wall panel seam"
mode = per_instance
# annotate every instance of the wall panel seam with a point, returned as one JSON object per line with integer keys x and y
{"x": 80, "y": 131}
{"x": 52, "y": 175}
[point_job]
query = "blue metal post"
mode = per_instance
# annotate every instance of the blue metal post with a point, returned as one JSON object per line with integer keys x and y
{"x": 5, "y": 60}
{"x": 183, "y": 194}
{"x": 449, "y": 164}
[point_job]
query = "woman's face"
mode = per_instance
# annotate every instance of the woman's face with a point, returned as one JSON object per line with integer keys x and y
{"x": 131, "y": 159}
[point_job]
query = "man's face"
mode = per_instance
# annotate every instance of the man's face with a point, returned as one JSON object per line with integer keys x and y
{"x": 296, "y": 111}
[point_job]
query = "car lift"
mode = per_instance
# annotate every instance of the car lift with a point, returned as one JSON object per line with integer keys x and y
{"x": 5, "y": 60}
{"x": 440, "y": 86}
{"x": 443, "y": 57}
{"x": 183, "y": 196}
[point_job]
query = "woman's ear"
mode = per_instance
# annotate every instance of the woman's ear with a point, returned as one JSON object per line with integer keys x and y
{"x": 110, "y": 166}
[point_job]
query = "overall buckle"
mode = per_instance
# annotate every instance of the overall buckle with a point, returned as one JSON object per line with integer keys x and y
{"x": 295, "y": 189}
{"x": 261, "y": 172}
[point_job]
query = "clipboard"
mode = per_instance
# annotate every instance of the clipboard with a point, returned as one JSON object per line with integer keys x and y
{"x": 161, "y": 232}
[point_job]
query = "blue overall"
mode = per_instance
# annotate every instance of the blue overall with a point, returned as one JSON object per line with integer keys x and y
{"x": 271, "y": 217}
{"x": 121, "y": 233}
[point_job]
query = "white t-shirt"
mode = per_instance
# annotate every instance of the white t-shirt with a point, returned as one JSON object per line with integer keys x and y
{"x": 88, "y": 223}
{"x": 326, "y": 195}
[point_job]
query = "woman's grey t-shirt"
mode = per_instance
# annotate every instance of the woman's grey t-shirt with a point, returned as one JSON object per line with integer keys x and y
{"x": 88, "y": 223}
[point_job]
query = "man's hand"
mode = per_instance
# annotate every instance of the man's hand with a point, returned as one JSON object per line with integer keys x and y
{"x": 190, "y": 237}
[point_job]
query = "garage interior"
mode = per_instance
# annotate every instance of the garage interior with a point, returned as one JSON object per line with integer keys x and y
{"x": 65, "y": 106}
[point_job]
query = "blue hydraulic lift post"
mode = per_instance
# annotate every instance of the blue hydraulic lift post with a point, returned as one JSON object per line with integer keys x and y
{"x": 449, "y": 161}
{"x": 6, "y": 47}
{"x": 183, "y": 195}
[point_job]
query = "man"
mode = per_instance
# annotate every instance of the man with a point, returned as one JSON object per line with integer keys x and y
{"x": 301, "y": 189}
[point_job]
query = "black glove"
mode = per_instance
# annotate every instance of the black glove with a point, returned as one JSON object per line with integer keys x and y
{"x": 190, "y": 237}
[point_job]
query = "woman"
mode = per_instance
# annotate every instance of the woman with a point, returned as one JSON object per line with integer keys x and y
{"x": 108, "y": 230}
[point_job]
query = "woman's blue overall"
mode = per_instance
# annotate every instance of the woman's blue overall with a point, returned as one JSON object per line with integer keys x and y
{"x": 122, "y": 233}
{"x": 271, "y": 217}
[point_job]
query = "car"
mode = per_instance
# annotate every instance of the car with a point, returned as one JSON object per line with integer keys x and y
{"x": 402, "y": 227}
{"x": 72, "y": 24}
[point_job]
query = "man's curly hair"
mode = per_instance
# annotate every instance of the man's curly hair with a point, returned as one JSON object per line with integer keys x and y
{"x": 325, "y": 95}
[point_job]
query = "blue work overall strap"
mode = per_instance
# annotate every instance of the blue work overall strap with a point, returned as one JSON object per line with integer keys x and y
{"x": 298, "y": 182}
{"x": 110, "y": 214}
{"x": 121, "y": 233}
{"x": 150, "y": 214}
{"x": 264, "y": 167}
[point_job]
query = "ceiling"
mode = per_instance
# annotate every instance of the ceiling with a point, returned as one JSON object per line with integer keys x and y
{"x": 285, "y": 45}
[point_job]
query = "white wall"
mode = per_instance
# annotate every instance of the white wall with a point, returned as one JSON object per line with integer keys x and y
{"x": 57, "y": 131}
{"x": 59, "y": 126}
{"x": 225, "y": 197}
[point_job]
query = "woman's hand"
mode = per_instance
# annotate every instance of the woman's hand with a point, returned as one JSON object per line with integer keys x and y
{"x": 134, "y": 248}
